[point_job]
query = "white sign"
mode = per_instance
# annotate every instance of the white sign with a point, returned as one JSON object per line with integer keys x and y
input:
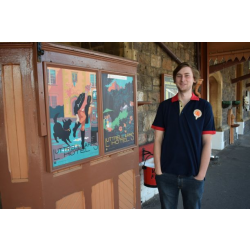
{"x": 117, "y": 77}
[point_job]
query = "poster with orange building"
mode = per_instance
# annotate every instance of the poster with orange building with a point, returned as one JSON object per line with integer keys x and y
{"x": 72, "y": 99}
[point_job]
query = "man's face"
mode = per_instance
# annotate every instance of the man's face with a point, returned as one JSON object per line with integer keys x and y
{"x": 184, "y": 80}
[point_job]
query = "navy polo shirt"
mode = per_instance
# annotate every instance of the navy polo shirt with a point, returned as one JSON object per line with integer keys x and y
{"x": 182, "y": 143}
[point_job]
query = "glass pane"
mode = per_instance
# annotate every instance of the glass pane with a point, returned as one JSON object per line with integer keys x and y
{"x": 169, "y": 87}
{"x": 73, "y": 116}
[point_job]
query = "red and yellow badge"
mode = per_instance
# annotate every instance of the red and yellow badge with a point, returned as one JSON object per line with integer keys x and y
{"x": 197, "y": 114}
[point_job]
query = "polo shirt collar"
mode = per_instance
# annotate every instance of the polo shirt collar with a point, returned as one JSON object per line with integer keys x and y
{"x": 193, "y": 98}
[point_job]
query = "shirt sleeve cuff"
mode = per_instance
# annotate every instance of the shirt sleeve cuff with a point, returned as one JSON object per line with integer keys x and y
{"x": 209, "y": 132}
{"x": 158, "y": 128}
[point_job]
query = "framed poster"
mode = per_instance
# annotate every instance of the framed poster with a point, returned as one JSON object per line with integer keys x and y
{"x": 168, "y": 87}
{"x": 118, "y": 111}
{"x": 72, "y": 115}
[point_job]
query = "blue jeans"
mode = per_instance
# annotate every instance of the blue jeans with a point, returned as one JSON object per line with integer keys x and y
{"x": 169, "y": 186}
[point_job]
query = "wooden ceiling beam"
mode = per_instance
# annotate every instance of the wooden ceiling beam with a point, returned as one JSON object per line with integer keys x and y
{"x": 220, "y": 66}
{"x": 247, "y": 85}
{"x": 241, "y": 78}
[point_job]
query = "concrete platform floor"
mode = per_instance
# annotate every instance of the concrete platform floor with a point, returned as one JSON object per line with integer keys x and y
{"x": 227, "y": 184}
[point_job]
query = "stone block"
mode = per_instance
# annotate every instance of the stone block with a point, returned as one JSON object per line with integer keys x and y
{"x": 144, "y": 58}
{"x": 140, "y": 96}
{"x": 142, "y": 69}
{"x": 153, "y": 107}
{"x": 137, "y": 46}
{"x": 175, "y": 45}
{"x": 156, "y": 81}
{"x": 154, "y": 96}
{"x": 140, "y": 121}
{"x": 157, "y": 88}
{"x": 153, "y": 48}
{"x": 142, "y": 139}
{"x": 150, "y": 71}
{"x": 140, "y": 109}
{"x": 150, "y": 135}
{"x": 145, "y": 47}
{"x": 148, "y": 120}
{"x": 167, "y": 64}
{"x": 155, "y": 61}
{"x": 182, "y": 55}
{"x": 147, "y": 84}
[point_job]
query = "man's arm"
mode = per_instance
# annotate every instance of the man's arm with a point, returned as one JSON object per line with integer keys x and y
{"x": 157, "y": 151}
{"x": 205, "y": 156}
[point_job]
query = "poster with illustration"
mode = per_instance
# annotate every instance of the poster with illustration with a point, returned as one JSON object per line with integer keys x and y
{"x": 73, "y": 115}
{"x": 118, "y": 111}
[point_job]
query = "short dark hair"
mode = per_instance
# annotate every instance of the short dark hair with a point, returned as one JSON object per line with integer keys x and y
{"x": 196, "y": 73}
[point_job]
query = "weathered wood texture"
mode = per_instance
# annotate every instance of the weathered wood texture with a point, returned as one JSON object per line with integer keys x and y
{"x": 14, "y": 122}
{"x": 126, "y": 185}
{"x": 72, "y": 201}
{"x": 103, "y": 195}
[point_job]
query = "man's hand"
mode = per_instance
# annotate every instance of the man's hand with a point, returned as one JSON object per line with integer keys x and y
{"x": 158, "y": 172}
{"x": 199, "y": 178}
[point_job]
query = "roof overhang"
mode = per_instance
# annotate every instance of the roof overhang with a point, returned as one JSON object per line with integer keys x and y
{"x": 228, "y": 51}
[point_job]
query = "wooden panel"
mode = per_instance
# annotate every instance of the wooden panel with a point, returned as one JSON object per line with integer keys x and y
{"x": 23, "y": 208}
{"x": 103, "y": 195}
{"x": 72, "y": 201}
{"x": 14, "y": 125}
{"x": 66, "y": 171}
{"x": 126, "y": 185}
{"x": 21, "y": 142}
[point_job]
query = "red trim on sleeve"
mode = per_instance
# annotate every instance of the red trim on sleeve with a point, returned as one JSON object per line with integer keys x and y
{"x": 158, "y": 128}
{"x": 209, "y": 132}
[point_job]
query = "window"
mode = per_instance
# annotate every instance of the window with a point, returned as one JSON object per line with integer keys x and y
{"x": 74, "y": 78}
{"x": 51, "y": 74}
{"x": 93, "y": 80}
{"x": 53, "y": 101}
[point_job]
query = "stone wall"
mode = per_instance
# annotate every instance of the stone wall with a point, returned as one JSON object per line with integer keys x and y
{"x": 153, "y": 62}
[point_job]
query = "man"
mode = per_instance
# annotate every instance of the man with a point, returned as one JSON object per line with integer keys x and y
{"x": 183, "y": 128}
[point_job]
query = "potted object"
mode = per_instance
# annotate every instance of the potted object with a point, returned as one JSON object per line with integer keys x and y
{"x": 236, "y": 103}
{"x": 226, "y": 104}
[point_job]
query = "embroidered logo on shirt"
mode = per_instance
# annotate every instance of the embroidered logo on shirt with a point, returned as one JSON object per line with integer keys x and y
{"x": 197, "y": 114}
